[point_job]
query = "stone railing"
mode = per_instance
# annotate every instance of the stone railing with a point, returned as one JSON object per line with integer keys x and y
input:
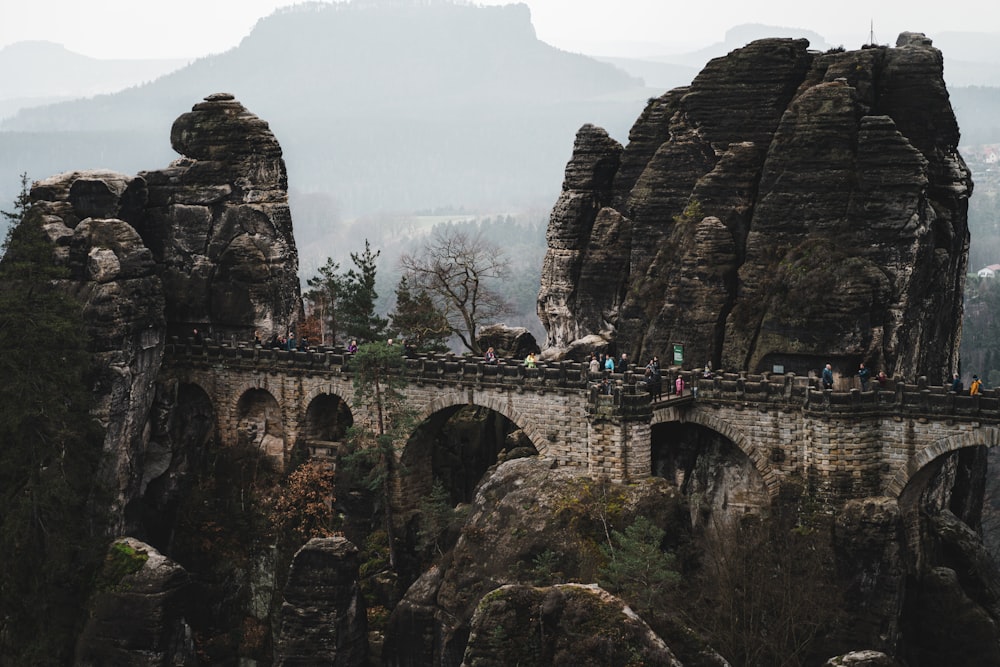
{"x": 901, "y": 398}
{"x": 420, "y": 368}
{"x": 626, "y": 394}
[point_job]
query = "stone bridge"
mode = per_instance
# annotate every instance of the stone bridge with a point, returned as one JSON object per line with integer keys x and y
{"x": 847, "y": 443}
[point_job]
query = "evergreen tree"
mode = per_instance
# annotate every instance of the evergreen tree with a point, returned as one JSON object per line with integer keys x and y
{"x": 21, "y": 204}
{"x": 324, "y": 297}
{"x": 436, "y": 515}
{"x": 49, "y": 453}
{"x": 357, "y": 304}
{"x": 371, "y": 445}
{"x": 418, "y": 321}
{"x": 636, "y": 568}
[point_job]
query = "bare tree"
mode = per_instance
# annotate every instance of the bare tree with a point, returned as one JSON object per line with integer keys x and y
{"x": 462, "y": 273}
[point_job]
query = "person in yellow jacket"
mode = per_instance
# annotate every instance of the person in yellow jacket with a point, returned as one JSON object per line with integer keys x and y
{"x": 974, "y": 387}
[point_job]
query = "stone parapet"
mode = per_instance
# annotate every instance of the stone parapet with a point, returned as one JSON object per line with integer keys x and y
{"x": 441, "y": 368}
{"x": 801, "y": 393}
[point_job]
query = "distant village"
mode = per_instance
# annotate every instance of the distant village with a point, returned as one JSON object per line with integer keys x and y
{"x": 982, "y": 154}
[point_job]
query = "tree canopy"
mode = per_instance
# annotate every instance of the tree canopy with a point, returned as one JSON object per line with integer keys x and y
{"x": 49, "y": 452}
{"x": 344, "y": 303}
{"x": 462, "y": 273}
{"x": 418, "y": 321}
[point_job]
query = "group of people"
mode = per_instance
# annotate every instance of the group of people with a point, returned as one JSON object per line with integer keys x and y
{"x": 607, "y": 362}
{"x": 864, "y": 375}
{"x": 652, "y": 375}
{"x": 290, "y": 343}
{"x": 974, "y": 388}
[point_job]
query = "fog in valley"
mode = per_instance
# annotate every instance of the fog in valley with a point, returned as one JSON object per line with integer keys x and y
{"x": 398, "y": 116}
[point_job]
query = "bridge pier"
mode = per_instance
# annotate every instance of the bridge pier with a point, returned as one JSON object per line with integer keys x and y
{"x": 619, "y": 434}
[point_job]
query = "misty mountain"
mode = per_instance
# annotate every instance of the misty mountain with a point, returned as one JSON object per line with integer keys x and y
{"x": 739, "y": 36}
{"x": 392, "y": 108}
{"x": 971, "y": 59}
{"x": 36, "y": 73}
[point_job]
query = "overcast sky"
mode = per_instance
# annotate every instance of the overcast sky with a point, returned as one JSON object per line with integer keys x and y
{"x": 192, "y": 28}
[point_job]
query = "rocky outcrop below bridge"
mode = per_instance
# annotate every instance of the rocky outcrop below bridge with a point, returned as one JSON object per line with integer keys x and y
{"x": 789, "y": 208}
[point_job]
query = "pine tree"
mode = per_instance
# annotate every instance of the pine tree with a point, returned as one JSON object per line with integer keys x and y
{"x": 418, "y": 320}
{"x": 49, "y": 451}
{"x": 371, "y": 446}
{"x": 436, "y": 515}
{"x": 324, "y": 299}
{"x": 21, "y": 204}
{"x": 636, "y": 568}
{"x": 357, "y": 304}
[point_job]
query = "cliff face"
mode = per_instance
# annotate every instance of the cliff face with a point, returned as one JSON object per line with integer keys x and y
{"x": 113, "y": 275}
{"x": 205, "y": 243}
{"x": 788, "y": 208}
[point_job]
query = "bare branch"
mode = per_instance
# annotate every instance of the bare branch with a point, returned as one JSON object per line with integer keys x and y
{"x": 462, "y": 273}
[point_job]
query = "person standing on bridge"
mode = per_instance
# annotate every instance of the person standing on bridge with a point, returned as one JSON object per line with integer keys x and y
{"x": 609, "y": 363}
{"x": 622, "y": 363}
{"x": 654, "y": 382}
{"x": 595, "y": 365}
{"x": 679, "y": 384}
{"x": 864, "y": 374}
{"x": 828, "y": 377}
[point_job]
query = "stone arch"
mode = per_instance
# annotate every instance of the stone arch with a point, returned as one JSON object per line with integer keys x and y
{"x": 455, "y": 442}
{"x": 450, "y": 399}
{"x": 759, "y": 460}
{"x": 980, "y": 437}
{"x": 325, "y": 423}
{"x": 258, "y": 422}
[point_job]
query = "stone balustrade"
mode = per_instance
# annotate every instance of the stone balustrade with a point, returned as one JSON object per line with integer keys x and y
{"x": 786, "y": 391}
{"x": 791, "y": 391}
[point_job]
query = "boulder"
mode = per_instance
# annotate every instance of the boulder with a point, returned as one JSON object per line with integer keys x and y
{"x": 509, "y": 342}
{"x": 136, "y": 614}
{"x": 566, "y": 624}
{"x": 523, "y": 512}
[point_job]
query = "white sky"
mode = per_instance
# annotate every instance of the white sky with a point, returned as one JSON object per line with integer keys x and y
{"x": 192, "y": 28}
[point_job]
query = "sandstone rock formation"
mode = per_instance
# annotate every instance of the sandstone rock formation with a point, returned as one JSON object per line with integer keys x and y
{"x": 788, "y": 208}
{"x": 512, "y": 342}
{"x": 218, "y": 223}
{"x": 113, "y": 275}
{"x": 136, "y": 615}
{"x": 322, "y": 617}
{"x": 567, "y": 624}
{"x": 523, "y": 509}
{"x": 205, "y": 243}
